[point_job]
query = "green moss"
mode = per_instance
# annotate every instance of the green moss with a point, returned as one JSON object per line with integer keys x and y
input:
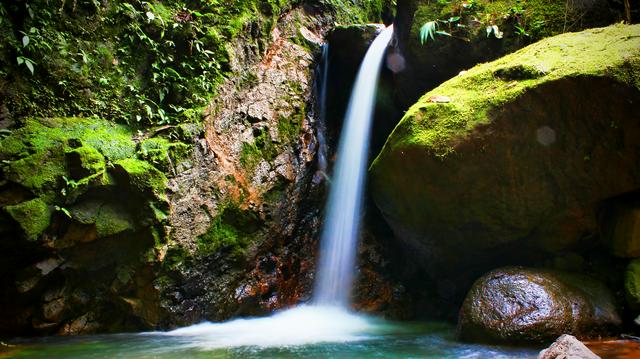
{"x": 632, "y": 284}
{"x": 435, "y": 125}
{"x": 142, "y": 176}
{"x": 231, "y": 229}
{"x": 109, "y": 219}
{"x": 176, "y": 256}
{"x": 85, "y": 161}
{"x": 41, "y": 172}
{"x": 163, "y": 153}
{"x": 33, "y": 217}
{"x": 219, "y": 235}
{"x": 38, "y": 135}
{"x": 263, "y": 147}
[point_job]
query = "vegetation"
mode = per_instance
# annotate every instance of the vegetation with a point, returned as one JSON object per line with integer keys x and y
{"x": 136, "y": 62}
{"x": 230, "y": 229}
{"x": 465, "y": 20}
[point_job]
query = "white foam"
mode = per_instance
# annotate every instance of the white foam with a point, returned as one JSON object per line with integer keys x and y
{"x": 298, "y": 326}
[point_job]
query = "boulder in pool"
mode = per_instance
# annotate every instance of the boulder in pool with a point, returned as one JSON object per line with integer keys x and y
{"x": 523, "y": 305}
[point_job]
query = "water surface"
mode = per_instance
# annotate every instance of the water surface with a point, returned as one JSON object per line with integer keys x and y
{"x": 303, "y": 332}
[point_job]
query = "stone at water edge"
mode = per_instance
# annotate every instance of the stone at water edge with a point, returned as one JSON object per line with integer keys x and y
{"x": 567, "y": 347}
{"x": 523, "y": 305}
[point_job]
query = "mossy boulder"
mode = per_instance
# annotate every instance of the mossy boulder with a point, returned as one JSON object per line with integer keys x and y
{"x": 515, "y": 155}
{"x": 632, "y": 285}
{"x": 466, "y": 33}
{"x": 521, "y": 305}
{"x": 33, "y": 216}
{"x": 109, "y": 219}
{"x": 75, "y": 190}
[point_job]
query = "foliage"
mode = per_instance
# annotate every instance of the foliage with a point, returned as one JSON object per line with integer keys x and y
{"x": 139, "y": 62}
{"x": 529, "y": 20}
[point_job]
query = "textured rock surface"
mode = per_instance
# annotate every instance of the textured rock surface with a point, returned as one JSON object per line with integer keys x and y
{"x": 519, "y": 159}
{"x": 621, "y": 229}
{"x": 567, "y": 347}
{"x": 516, "y": 304}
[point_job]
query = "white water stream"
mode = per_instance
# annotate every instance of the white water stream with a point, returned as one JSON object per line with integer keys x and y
{"x": 342, "y": 219}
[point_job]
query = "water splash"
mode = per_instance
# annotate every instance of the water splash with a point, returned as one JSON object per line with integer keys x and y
{"x": 340, "y": 234}
{"x": 298, "y": 326}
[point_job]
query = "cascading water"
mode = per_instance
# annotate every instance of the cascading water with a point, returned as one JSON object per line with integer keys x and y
{"x": 340, "y": 234}
{"x": 329, "y": 319}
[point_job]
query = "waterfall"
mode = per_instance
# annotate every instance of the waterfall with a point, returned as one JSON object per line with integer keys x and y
{"x": 329, "y": 319}
{"x": 342, "y": 219}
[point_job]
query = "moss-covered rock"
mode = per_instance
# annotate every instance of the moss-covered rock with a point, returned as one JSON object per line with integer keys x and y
{"x": 465, "y": 33}
{"x": 141, "y": 176}
{"x": 84, "y": 161}
{"x": 163, "y": 153}
{"x": 109, "y": 219}
{"x": 515, "y": 155}
{"x": 520, "y": 305}
{"x": 632, "y": 285}
{"x": 33, "y": 216}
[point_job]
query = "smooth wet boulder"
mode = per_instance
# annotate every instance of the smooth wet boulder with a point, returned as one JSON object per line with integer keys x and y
{"x": 518, "y": 305}
{"x": 514, "y": 157}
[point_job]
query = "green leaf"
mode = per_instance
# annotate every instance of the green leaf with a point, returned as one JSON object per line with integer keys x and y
{"x": 25, "y": 40}
{"x": 426, "y": 31}
{"x": 20, "y": 60}
{"x": 444, "y": 33}
{"x": 29, "y": 66}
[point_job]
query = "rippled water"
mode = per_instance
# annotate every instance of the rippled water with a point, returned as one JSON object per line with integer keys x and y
{"x": 303, "y": 332}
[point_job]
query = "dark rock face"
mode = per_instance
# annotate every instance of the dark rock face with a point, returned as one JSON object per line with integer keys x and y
{"x": 567, "y": 346}
{"x": 516, "y": 304}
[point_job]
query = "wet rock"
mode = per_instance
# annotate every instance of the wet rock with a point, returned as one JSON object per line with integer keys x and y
{"x": 621, "y": 230}
{"x": 85, "y": 324}
{"x": 519, "y": 305}
{"x": 632, "y": 285}
{"x": 567, "y": 347}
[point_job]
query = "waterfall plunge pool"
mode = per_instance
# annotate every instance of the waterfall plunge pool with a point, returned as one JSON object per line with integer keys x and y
{"x": 301, "y": 332}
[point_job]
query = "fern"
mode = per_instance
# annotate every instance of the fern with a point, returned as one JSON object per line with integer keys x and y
{"x": 427, "y": 31}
